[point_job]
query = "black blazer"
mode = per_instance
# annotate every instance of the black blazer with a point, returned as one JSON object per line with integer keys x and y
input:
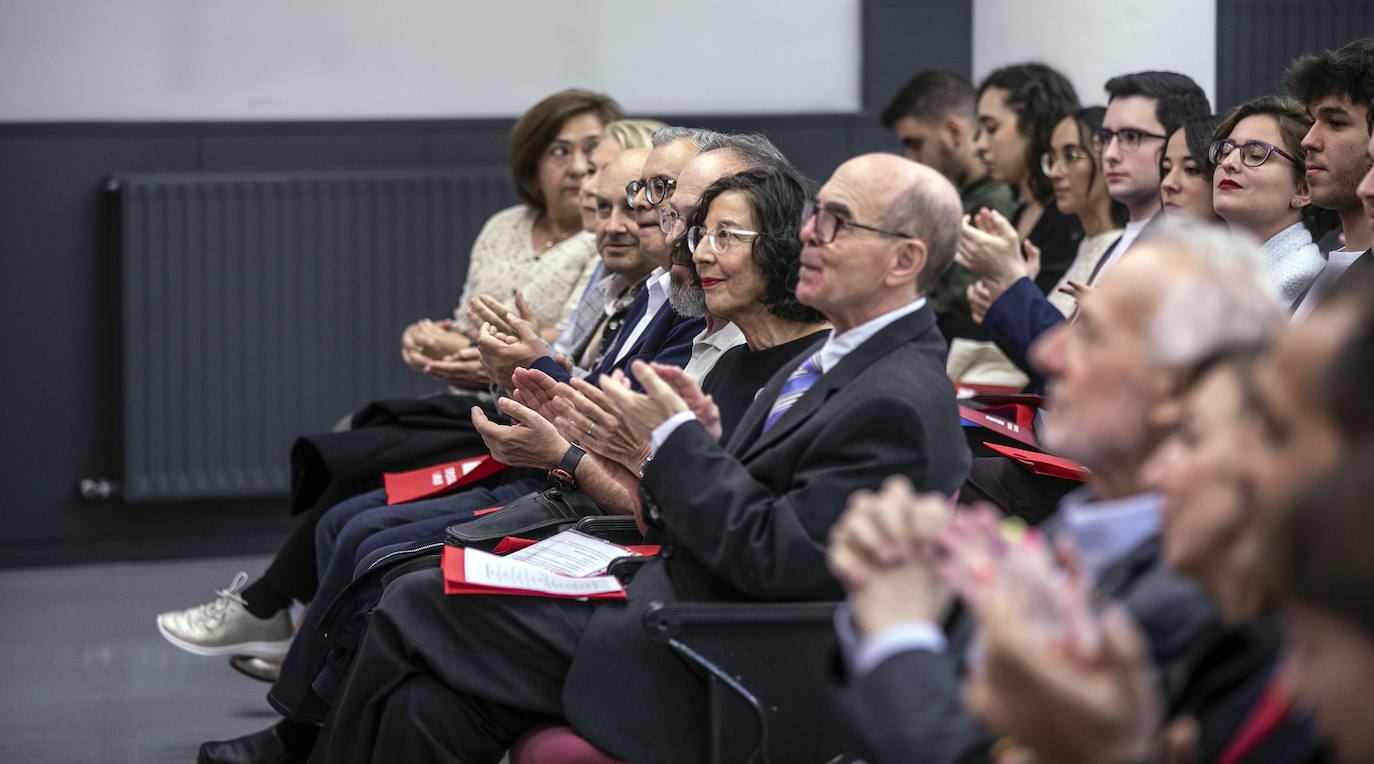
{"x": 909, "y": 707}
{"x": 750, "y": 521}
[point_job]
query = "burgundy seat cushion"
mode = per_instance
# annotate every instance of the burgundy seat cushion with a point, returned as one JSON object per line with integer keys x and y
{"x": 551, "y": 744}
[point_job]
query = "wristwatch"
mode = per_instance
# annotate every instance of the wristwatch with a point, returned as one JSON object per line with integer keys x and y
{"x": 564, "y": 476}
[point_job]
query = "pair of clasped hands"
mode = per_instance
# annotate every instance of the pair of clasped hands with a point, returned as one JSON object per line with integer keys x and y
{"x": 1066, "y": 677}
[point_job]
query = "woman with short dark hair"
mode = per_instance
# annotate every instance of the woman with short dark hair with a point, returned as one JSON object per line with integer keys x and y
{"x": 1185, "y": 172}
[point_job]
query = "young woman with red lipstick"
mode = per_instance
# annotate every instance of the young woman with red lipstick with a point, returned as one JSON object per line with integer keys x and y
{"x": 1260, "y": 187}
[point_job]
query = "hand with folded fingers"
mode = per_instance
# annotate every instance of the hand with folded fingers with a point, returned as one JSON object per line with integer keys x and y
{"x": 1064, "y": 703}
{"x": 990, "y": 247}
{"x": 885, "y": 549}
{"x": 587, "y": 414}
{"x": 426, "y": 340}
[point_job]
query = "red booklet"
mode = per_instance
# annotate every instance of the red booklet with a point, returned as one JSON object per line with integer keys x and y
{"x": 1043, "y": 464}
{"x": 432, "y": 481}
{"x": 1014, "y": 421}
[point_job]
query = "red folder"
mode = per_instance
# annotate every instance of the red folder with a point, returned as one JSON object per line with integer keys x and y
{"x": 432, "y": 481}
{"x": 1043, "y": 464}
{"x": 1012, "y": 421}
{"x": 455, "y": 582}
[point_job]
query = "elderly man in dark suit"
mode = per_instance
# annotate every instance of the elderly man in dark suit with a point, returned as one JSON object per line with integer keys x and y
{"x": 459, "y": 678}
{"x": 1116, "y": 375}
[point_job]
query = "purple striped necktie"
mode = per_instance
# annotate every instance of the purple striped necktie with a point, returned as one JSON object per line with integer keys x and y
{"x": 798, "y": 382}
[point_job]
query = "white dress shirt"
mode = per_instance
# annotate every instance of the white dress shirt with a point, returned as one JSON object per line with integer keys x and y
{"x": 657, "y": 285}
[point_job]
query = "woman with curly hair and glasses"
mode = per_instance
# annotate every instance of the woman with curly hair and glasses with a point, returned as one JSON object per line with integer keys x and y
{"x": 1260, "y": 187}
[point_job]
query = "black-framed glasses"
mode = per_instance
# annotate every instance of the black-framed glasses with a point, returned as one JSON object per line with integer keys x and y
{"x": 656, "y": 189}
{"x": 1070, "y": 156}
{"x": 1252, "y": 153}
{"x": 828, "y": 224}
{"x": 721, "y": 236}
{"x": 1129, "y": 136}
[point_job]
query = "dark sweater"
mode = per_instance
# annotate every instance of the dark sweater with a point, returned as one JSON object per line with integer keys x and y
{"x": 740, "y": 373}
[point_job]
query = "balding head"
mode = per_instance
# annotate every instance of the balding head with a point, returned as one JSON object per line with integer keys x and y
{"x": 896, "y": 227}
{"x": 1185, "y": 292}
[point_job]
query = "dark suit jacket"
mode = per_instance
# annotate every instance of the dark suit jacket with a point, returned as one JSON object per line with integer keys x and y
{"x": 667, "y": 339}
{"x": 750, "y": 521}
{"x": 908, "y": 708}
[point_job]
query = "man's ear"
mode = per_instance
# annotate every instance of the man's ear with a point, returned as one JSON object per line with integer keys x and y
{"x": 1166, "y": 403}
{"x": 955, "y": 131}
{"x": 908, "y": 260}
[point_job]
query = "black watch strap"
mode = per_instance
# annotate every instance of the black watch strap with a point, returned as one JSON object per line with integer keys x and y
{"x": 564, "y": 476}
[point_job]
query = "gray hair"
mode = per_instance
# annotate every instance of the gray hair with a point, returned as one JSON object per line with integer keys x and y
{"x": 1228, "y": 300}
{"x": 935, "y": 218}
{"x": 756, "y": 152}
{"x": 703, "y": 139}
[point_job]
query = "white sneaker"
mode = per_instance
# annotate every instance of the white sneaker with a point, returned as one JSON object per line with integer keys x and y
{"x": 225, "y": 627}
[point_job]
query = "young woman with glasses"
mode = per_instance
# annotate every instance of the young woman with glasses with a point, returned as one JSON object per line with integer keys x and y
{"x": 1259, "y": 186}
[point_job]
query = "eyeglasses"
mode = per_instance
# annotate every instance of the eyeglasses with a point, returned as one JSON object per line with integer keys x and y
{"x": 828, "y": 224}
{"x": 656, "y": 189}
{"x": 669, "y": 220}
{"x": 1069, "y": 157}
{"x": 1130, "y": 138}
{"x": 1252, "y": 154}
{"x": 720, "y": 237}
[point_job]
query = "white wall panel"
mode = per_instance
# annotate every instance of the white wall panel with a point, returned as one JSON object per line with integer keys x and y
{"x": 1090, "y": 40}
{"x": 294, "y": 59}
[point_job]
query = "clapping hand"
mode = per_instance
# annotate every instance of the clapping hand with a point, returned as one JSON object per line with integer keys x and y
{"x": 642, "y": 412}
{"x": 529, "y": 441}
{"x": 989, "y": 247}
{"x": 489, "y": 310}
{"x": 503, "y": 353}
{"x": 586, "y": 414}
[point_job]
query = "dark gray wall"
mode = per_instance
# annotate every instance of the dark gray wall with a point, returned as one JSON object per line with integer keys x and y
{"x": 60, "y": 330}
{"x": 1257, "y": 38}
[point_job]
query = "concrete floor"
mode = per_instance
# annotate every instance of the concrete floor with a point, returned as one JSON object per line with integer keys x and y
{"x": 85, "y": 677}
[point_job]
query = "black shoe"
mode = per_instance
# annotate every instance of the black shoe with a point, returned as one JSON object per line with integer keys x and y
{"x": 260, "y": 747}
{"x": 261, "y": 669}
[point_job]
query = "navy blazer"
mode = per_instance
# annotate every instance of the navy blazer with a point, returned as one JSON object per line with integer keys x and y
{"x": 667, "y": 339}
{"x": 1017, "y": 318}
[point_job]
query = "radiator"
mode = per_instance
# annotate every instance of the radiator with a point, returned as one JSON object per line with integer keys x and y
{"x": 258, "y": 307}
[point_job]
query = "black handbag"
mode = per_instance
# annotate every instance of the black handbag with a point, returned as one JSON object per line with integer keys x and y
{"x": 535, "y": 516}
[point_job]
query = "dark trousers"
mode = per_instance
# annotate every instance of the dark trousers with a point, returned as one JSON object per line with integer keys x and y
{"x": 452, "y": 678}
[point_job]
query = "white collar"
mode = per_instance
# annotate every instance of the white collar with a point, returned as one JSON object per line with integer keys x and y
{"x": 837, "y": 346}
{"x": 1104, "y": 531}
